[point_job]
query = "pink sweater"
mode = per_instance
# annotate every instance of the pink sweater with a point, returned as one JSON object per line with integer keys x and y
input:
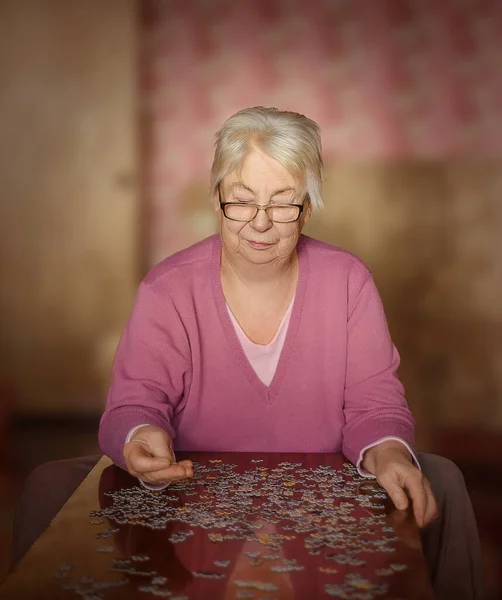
{"x": 180, "y": 365}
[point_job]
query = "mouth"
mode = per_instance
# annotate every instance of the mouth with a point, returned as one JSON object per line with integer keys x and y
{"x": 258, "y": 245}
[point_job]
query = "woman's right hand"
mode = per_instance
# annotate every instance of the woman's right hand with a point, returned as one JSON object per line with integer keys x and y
{"x": 149, "y": 456}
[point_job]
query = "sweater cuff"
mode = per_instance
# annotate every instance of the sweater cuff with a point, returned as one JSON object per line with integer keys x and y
{"x": 364, "y": 473}
{"x": 133, "y": 431}
{"x": 363, "y": 435}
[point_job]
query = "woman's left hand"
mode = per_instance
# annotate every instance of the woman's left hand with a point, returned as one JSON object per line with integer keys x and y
{"x": 392, "y": 465}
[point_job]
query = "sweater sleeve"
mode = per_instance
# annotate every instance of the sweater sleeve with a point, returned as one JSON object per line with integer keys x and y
{"x": 374, "y": 402}
{"x": 149, "y": 370}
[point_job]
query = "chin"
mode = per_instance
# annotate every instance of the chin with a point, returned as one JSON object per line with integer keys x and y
{"x": 259, "y": 257}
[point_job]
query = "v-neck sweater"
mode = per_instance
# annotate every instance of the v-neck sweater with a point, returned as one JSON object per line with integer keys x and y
{"x": 180, "y": 365}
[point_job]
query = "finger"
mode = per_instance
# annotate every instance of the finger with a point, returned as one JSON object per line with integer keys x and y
{"x": 182, "y": 469}
{"x": 432, "y": 507}
{"x": 396, "y": 492}
{"x": 141, "y": 460}
{"x": 162, "y": 473}
{"x": 188, "y": 466}
{"x": 186, "y": 463}
{"x": 415, "y": 487}
{"x": 171, "y": 474}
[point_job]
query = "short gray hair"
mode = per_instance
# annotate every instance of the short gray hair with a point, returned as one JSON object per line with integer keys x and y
{"x": 289, "y": 137}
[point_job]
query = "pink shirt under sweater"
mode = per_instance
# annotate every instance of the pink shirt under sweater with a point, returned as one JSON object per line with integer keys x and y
{"x": 264, "y": 358}
{"x": 180, "y": 365}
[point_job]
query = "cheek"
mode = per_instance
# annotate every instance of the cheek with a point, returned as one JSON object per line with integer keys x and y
{"x": 290, "y": 235}
{"x": 231, "y": 229}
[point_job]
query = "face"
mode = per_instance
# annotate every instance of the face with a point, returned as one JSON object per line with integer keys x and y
{"x": 263, "y": 180}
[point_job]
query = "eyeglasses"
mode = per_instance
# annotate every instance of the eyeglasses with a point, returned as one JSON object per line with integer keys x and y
{"x": 245, "y": 212}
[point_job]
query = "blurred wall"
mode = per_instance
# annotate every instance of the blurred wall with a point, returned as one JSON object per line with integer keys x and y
{"x": 408, "y": 95}
{"x": 432, "y": 234}
{"x": 68, "y": 210}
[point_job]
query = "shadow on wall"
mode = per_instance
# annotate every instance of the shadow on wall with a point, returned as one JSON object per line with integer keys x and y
{"x": 431, "y": 233}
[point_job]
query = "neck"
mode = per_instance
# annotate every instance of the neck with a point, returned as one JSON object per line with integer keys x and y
{"x": 269, "y": 275}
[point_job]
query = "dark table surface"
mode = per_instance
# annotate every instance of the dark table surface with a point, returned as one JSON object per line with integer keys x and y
{"x": 257, "y": 526}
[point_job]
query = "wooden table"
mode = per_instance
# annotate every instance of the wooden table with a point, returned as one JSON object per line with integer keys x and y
{"x": 81, "y": 553}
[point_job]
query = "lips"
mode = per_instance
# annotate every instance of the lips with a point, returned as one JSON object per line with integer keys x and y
{"x": 259, "y": 245}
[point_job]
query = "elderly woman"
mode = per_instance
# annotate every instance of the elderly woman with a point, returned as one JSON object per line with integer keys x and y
{"x": 261, "y": 339}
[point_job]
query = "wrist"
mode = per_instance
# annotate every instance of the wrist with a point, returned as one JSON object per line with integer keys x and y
{"x": 134, "y": 431}
{"x": 377, "y": 456}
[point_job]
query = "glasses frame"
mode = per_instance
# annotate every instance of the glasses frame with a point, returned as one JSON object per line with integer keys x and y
{"x": 258, "y": 208}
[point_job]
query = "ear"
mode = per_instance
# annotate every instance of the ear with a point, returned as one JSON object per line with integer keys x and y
{"x": 307, "y": 211}
{"x": 215, "y": 199}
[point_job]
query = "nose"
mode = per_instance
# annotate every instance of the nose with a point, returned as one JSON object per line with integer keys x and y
{"x": 261, "y": 222}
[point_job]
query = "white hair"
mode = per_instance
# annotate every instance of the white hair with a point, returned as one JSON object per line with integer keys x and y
{"x": 289, "y": 137}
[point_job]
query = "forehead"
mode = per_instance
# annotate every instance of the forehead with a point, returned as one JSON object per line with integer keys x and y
{"x": 259, "y": 171}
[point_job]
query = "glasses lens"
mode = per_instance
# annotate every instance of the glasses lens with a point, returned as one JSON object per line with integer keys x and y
{"x": 247, "y": 212}
{"x": 283, "y": 214}
{"x": 240, "y": 212}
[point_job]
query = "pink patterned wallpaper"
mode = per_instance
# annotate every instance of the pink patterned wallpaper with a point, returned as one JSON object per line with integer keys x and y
{"x": 414, "y": 79}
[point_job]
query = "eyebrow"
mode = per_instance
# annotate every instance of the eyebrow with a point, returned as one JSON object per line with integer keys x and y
{"x": 243, "y": 186}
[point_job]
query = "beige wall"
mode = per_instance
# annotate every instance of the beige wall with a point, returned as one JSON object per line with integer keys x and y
{"x": 432, "y": 234}
{"x": 68, "y": 210}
